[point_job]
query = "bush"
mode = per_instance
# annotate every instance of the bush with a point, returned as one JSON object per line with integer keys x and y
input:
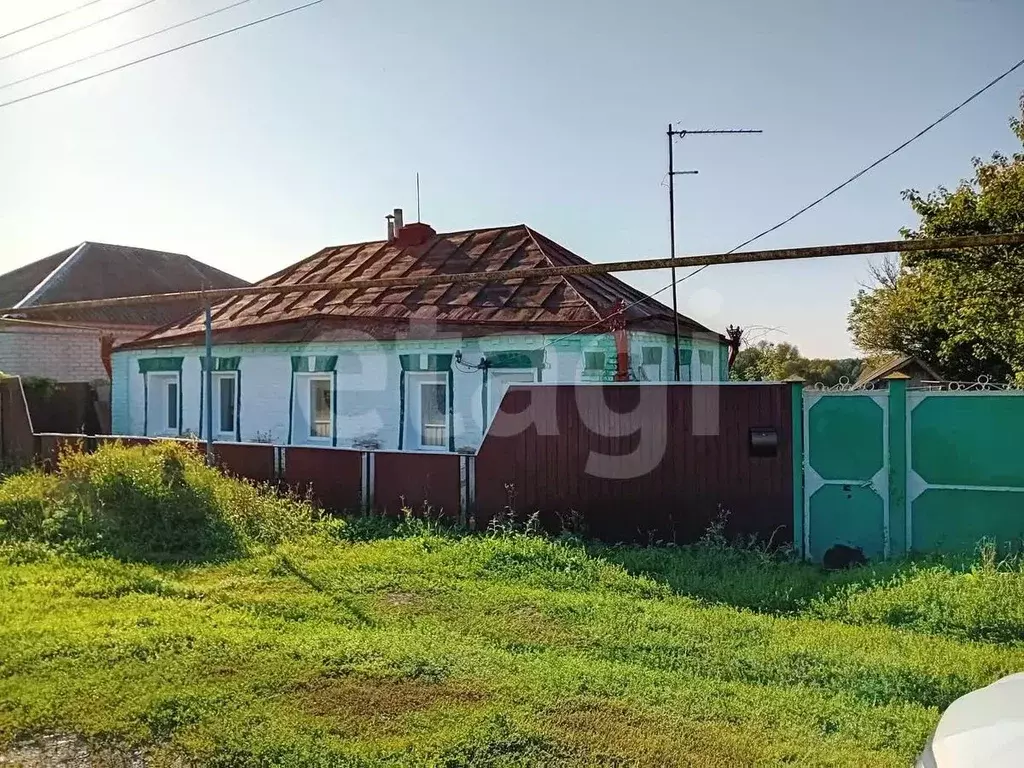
{"x": 154, "y": 502}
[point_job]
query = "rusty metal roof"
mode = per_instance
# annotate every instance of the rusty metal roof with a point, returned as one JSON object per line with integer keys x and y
{"x": 101, "y": 271}
{"x": 550, "y": 304}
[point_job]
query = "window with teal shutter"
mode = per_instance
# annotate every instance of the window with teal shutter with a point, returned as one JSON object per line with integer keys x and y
{"x": 593, "y": 361}
{"x": 650, "y": 363}
{"x": 685, "y": 360}
{"x": 707, "y": 364}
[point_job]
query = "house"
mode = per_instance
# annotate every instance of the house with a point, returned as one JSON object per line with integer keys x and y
{"x": 913, "y": 367}
{"x": 68, "y": 345}
{"x": 411, "y": 368}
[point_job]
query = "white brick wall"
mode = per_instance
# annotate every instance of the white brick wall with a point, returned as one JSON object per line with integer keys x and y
{"x": 62, "y": 354}
{"x": 368, "y": 376}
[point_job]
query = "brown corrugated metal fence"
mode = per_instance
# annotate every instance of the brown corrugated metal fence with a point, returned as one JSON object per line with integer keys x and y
{"x": 426, "y": 483}
{"x": 332, "y": 476}
{"x": 616, "y": 462}
{"x": 690, "y": 451}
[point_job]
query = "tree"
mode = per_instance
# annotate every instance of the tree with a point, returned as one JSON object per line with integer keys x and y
{"x": 961, "y": 311}
{"x": 765, "y": 361}
{"x": 768, "y": 361}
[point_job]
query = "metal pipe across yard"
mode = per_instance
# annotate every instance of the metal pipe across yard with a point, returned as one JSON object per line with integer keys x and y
{"x": 745, "y": 257}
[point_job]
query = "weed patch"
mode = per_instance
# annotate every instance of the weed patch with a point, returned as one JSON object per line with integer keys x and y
{"x": 159, "y": 502}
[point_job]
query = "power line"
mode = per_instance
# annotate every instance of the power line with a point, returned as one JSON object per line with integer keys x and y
{"x": 70, "y": 32}
{"x": 123, "y": 45}
{"x": 158, "y": 54}
{"x": 1014, "y": 239}
{"x": 51, "y": 18}
{"x": 887, "y": 155}
{"x": 821, "y": 199}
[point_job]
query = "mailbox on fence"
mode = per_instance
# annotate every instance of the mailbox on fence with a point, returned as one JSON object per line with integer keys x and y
{"x": 764, "y": 441}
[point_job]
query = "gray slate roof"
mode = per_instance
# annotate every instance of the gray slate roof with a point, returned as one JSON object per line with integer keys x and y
{"x": 102, "y": 271}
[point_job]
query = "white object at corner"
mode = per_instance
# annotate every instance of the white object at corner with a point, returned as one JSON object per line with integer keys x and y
{"x": 984, "y": 728}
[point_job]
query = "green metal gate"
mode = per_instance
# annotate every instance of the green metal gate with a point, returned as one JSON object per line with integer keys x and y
{"x": 893, "y": 472}
{"x": 965, "y": 470}
{"x": 846, "y": 472}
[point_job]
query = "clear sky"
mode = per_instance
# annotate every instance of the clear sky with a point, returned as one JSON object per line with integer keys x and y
{"x": 255, "y": 150}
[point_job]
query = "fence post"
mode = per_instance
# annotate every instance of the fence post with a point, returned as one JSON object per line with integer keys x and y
{"x": 796, "y": 399}
{"x": 897, "y": 543}
{"x": 463, "y": 490}
{"x": 364, "y": 482}
{"x": 368, "y": 466}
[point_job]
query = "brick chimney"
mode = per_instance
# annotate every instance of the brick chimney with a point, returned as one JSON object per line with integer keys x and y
{"x": 414, "y": 234}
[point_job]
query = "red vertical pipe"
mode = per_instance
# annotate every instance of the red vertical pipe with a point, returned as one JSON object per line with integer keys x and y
{"x": 621, "y": 355}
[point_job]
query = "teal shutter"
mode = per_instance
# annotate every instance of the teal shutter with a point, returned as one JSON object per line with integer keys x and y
{"x": 414, "y": 363}
{"x": 516, "y": 359}
{"x": 685, "y": 362}
{"x": 321, "y": 363}
{"x": 160, "y": 364}
{"x": 593, "y": 361}
{"x": 222, "y": 364}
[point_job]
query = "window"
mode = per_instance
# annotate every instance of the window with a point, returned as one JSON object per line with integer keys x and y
{"x": 685, "y": 360}
{"x": 433, "y": 414}
{"x": 707, "y": 364}
{"x": 171, "y": 403}
{"x": 593, "y": 361}
{"x": 163, "y": 404}
{"x": 320, "y": 408}
{"x": 226, "y": 388}
{"x": 651, "y": 363}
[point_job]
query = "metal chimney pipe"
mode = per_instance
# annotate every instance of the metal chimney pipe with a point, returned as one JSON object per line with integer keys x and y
{"x": 399, "y": 221}
{"x": 391, "y": 227}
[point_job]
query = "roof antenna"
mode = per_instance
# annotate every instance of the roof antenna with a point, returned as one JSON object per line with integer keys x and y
{"x": 418, "y": 217}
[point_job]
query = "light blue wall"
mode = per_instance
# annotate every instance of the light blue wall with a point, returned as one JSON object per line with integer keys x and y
{"x": 368, "y": 382}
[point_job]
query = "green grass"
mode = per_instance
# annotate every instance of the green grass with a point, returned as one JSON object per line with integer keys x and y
{"x": 371, "y": 643}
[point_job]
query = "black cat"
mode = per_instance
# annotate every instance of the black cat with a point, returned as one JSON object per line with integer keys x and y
{"x": 841, "y": 556}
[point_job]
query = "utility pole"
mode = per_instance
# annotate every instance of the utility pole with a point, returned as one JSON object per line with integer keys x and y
{"x": 208, "y": 383}
{"x": 672, "y": 173}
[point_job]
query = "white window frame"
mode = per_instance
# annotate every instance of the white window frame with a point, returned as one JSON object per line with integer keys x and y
{"x": 159, "y": 385}
{"x": 494, "y": 397}
{"x": 218, "y": 380}
{"x": 311, "y": 434}
{"x": 443, "y": 445}
{"x": 414, "y": 410}
{"x": 168, "y": 410}
{"x": 302, "y": 410}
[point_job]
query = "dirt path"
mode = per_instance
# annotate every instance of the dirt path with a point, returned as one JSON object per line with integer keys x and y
{"x": 64, "y": 751}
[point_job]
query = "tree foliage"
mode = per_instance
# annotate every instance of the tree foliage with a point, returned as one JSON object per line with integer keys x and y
{"x": 769, "y": 361}
{"x": 961, "y": 311}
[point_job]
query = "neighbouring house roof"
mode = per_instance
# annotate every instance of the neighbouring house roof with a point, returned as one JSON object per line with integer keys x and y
{"x": 542, "y": 305}
{"x": 895, "y": 364}
{"x": 102, "y": 271}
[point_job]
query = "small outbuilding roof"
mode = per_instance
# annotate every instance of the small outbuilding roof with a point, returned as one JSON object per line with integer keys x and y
{"x": 891, "y": 365}
{"x": 102, "y": 271}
